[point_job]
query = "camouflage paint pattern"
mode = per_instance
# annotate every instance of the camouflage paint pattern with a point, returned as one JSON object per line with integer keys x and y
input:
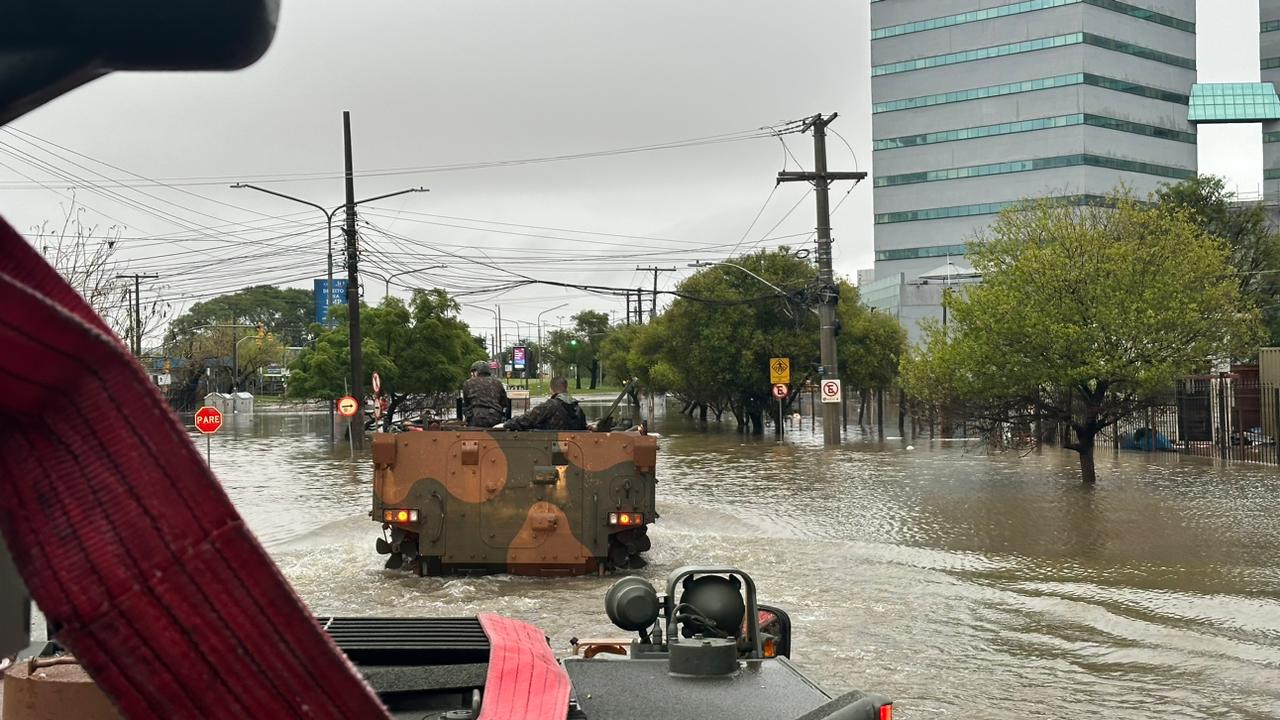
{"x": 533, "y": 502}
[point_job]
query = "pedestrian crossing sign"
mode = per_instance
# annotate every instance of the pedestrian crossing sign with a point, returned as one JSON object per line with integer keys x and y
{"x": 779, "y": 371}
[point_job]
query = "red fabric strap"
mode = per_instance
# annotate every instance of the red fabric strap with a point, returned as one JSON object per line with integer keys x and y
{"x": 127, "y": 540}
{"x": 524, "y": 682}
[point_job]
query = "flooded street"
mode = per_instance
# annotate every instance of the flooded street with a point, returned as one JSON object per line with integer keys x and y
{"x": 958, "y": 583}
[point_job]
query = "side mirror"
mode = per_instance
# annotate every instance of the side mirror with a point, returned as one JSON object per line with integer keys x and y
{"x": 775, "y": 631}
{"x": 48, "y": 47}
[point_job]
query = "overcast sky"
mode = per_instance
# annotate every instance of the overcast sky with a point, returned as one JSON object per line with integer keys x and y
{"x": 432, "y": 83}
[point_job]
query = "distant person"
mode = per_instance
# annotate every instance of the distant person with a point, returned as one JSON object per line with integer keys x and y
{"x": 558, "y": 412}
{"x": 483, "y": 397}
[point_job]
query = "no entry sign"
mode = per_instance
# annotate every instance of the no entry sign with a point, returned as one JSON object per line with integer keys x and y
{"x": 347, "y": 406}
{"x": 208, "y": 420}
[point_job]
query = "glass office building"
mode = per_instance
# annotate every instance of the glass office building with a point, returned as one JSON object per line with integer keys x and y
{"x": 1270, "y": 54}
{"x": 977, "y": 104}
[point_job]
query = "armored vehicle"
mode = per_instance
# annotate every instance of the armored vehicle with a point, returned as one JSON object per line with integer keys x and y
{"x": 528, "y": 503}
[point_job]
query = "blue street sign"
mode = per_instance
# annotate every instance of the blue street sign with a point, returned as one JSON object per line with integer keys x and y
{"x": 337, "y": 296}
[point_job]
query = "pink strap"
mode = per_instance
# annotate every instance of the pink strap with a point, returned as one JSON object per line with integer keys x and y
{"x": 127, "y": 540}
{"x": 524, "y": 682}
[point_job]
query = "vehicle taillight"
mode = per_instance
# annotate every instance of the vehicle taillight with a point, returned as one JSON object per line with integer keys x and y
{"x": 886, "y": 712}
{"x": 626, "y": 519}
{"x": 400, "y": 515}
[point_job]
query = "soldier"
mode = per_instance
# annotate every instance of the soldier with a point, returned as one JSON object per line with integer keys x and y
{"x": 559, "y": 412}
{"x": 483, "y": 397}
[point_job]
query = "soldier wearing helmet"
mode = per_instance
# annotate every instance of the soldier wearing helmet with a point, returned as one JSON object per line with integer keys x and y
{"x": 484, "y": 399}
{"x": 559, "y": 412}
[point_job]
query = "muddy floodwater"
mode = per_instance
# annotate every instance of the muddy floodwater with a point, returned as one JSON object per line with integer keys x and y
{"x": 961, "y": 584}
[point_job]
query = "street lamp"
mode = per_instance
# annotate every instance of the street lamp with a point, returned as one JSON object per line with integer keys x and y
{"x": 544, "y": 312}
{"x": 387, "y": 290}
{"x": 780, "y": 291}
{"x": 496, "y": 351}
{"x": 328, "y": 219}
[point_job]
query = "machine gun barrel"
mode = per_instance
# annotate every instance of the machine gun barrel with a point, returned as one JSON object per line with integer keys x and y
{"x": 606, "y": 421}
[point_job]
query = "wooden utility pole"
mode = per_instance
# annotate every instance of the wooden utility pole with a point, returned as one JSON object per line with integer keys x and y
{"x": 828, "y": 291}
{"x": 353, "y": 288}
{"x": 135, "y": 314}
{"x": 653, "y": 308}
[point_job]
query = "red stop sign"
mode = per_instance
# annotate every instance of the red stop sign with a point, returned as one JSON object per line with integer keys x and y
{"x": 208, "y": 420}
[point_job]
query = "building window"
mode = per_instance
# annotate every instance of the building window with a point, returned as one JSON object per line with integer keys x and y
{"x": 921, "y": 252}
{"x": 1017, "y": 166}
{"x": 958, "y": 211}
{"x": 1029, "y": 6}
{"x": 1031, "y": 126}
{"x": 1030, "y": 86}
{"x": 1267, "y": 25}
{"x": 1033, "y": 46}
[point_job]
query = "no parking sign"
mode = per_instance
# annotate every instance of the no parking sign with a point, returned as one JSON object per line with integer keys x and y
{"x": 831, "y": 391}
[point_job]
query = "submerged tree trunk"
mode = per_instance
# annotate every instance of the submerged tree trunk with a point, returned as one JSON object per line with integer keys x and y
{"x": 1086, "y": 434}
{"x": 1088, "y": 473}
{"x": 757, "y": 421}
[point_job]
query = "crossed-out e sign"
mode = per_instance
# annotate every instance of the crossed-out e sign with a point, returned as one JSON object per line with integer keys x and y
{"x": 830, "y": 391}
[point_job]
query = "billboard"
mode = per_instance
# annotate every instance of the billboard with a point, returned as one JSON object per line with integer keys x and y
{"x": 517, "y": 357}
{"x": 337, "y": 296}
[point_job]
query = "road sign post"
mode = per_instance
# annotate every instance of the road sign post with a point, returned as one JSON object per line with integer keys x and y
{"x": 208, "y": 420}
{"x": 780, "y": 370}
{"x": 779, "y": 392}
{"x": 347, "y": 408}
{"x": 831, "y": 391}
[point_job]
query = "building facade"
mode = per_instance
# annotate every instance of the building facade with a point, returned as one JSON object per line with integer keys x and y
{"x": 1270, "y": 54}
{"x": 979, "y": 104}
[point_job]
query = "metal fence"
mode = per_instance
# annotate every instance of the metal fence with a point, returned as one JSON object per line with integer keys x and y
{"x": 1227, "y": 417}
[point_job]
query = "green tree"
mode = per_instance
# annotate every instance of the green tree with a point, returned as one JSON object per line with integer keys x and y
{"x": 286, "y": 312}
{"x": 571, "y": 350}
{"x": 1083, "y": 317}
{"x": 418, "y": 349}
{"x": 1254, "y": 245}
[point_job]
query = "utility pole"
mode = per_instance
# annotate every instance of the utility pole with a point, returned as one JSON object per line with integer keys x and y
{"x": 639, "y": 306}
{"x": 828, "y": 291}
{"x": 653, "y": 309}
{"x": 628, "y": 307}
{"x": 353, "y": 288}
{"x": 135, "y": 316}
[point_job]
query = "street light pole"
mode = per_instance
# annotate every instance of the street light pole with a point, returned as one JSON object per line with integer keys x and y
{"x": 328, "y": 219}
{"x": 829, "y": 292}
{"x": 387, "y": 290}
{"x": 544, "y": 312}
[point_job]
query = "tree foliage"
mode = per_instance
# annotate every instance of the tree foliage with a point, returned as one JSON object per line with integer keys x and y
{"x": 285, "y": 312}
{"x": 1253, "y": 244}
{"x": 578, "y": 348}
{"x": 712, "y": 345}
{"x": 418, "y": 349}
{"x": 84, "y": 254}
{"x": 1084, "y": 315}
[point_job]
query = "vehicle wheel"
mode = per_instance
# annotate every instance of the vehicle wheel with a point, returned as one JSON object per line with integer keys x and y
{"x": 618, "y": 556}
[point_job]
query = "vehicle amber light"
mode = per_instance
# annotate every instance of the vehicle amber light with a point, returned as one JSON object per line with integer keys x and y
{"x": 886, "y": 712}
{"x": 627, "y": 519}
{"x": 771, "y": 650}
{"x": 402, "y": 516}
{"x": 388, "y": 515}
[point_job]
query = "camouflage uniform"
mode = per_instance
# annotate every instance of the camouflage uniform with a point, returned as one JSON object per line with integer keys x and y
{"x": 559, "y": 412}
{"x": 483, "y": 401}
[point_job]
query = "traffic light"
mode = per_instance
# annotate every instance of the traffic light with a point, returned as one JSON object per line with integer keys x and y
{"x": 573, "y": 342}
{"x": 262, "y": 331}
